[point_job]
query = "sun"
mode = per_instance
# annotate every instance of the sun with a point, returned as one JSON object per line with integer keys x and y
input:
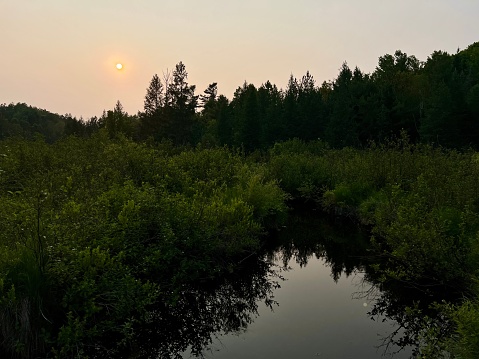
{"x": 119, "y": 66}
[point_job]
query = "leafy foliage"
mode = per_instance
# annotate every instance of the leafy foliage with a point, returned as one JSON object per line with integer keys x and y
{"x": 97, "y": 233}
{"x": 420, "y": 202}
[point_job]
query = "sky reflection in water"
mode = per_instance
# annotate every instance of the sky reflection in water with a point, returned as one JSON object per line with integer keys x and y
{"x": 316, "y": 317}
{"x": 323, "y": 303}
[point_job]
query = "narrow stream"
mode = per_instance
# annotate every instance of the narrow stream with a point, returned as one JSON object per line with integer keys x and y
{"x": 320, "y": 304}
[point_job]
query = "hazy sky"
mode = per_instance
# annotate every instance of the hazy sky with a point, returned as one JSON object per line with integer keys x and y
{"x": 60, "y": 55}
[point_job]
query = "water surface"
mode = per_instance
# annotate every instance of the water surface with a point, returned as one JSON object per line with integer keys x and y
{"x": 322, "y": 303}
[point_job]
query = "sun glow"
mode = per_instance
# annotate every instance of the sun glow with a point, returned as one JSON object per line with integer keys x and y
{"x": 119, "y": 66}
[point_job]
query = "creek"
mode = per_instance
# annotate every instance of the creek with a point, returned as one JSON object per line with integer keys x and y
{"x": 311, "y": 293}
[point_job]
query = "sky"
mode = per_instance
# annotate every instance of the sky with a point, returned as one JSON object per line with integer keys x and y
{"x": 60, "y": 55}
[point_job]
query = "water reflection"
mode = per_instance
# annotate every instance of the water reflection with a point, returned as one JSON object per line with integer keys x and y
{"x": 410, "y": 307}
{"x": 190, "y": 325}
{"x": 312, "y": 235}
{"x": 203, "y": 310}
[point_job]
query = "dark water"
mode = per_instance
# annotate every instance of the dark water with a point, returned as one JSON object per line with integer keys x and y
{"x": 310, "y": 295}
{"x": 316, "y": 317}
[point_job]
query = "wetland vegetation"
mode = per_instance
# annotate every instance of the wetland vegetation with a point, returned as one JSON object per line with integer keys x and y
{"x": 117, "y": 227}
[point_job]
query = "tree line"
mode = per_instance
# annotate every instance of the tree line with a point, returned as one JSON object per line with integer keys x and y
{"x": 436, "y": 101}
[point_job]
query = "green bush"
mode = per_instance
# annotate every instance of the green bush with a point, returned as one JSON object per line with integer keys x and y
{"x": 96, "y": 232}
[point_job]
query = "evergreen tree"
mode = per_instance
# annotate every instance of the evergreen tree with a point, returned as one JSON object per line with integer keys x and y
{"x": 311, "y": 113}
{"x": 438, "y": 124}
{"x": 364, "y": 107}
{"x": 224, "y": 121}
{"x": 117, "y": 121}
{"x": 181, "y": 106}
{"x": 154, "y": 99}
{"x": 152, "y": 119}
{"x": 341, "y": 128}
{"x": 398, "y": 95}
{"x": 290, "y": 108}
{"x": 270, "y": 103}
{"x": 247, "y": 127}
{"x": 205, "y": 127}
{"x": 209, "y": 96}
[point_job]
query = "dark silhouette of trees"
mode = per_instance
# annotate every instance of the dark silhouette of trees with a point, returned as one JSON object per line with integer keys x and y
{"x": 247, "y": 131}
{"x": 436, "y": 101}
{"x": 180, "y": 107}
{"x": 154, "y": 98}
{"x": 290, "y": 107}
{"x": 311, "y": 110}
{"x": 273, "y": 127}
{"x": 205, "y": 127}
{"x": 170, "y": 108}
{"x": 224, "y": 121}
{"x": 117, "y": 121}
{"x": 341, "y": 128}
{"x": 21, "y": 120}
{"x": 151, "y": 120}
{"x": 398, "y": 94}
{"x": 450, "y": 116}
{"x": 208, "y": 98}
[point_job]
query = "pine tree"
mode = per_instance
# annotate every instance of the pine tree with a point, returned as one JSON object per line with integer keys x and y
{"x": 341, "y": 128}
{"x": 181, "y": 106}
{"x": 154, "y": 98}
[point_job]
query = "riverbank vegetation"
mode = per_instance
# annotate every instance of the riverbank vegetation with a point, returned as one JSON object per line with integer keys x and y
{"x": 97, "y": 233}
{"x": 420, "y": 204}
{"x": 108, "y": 225}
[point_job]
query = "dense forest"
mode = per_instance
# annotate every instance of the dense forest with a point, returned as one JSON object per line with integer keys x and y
{"x": 110, "y": 225}
{"x": 436, "y": 101}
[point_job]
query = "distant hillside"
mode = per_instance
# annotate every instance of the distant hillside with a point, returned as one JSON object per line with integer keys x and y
{"x": 27, "y": 121}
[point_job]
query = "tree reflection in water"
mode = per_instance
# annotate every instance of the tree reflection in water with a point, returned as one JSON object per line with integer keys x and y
{"x": 206, "y": 310}
{"x": 347, "y": 250}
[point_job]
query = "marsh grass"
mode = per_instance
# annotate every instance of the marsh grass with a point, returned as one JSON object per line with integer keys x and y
{"x": 24, "y": 301}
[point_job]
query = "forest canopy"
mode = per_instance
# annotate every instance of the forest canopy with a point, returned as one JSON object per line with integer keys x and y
{"x": 433, "y": 101}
